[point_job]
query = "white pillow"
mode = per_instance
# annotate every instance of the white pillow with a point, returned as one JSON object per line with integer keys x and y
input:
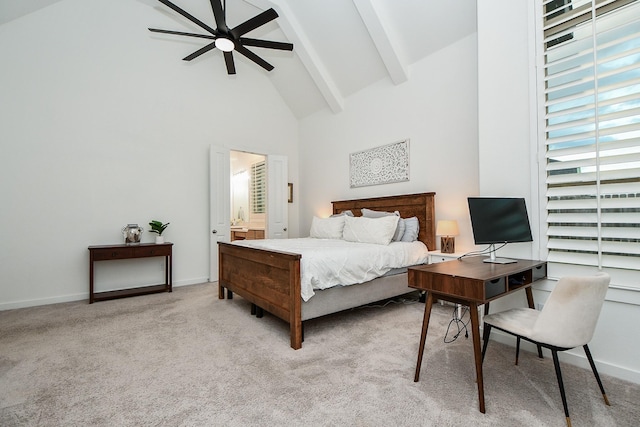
{"x": 370, "y": 213}
{"x": 370, "y": 230}
{"x": 327, "y": 228}
{"x": 397, "y": 236}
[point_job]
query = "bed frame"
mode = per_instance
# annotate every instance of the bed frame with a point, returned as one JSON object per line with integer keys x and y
{"x": 271, "y": 279}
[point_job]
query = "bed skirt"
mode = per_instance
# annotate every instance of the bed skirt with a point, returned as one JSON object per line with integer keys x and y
{"x": 339, "y": 298}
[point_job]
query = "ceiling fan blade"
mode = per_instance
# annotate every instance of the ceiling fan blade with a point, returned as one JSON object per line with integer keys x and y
{"x": 253, "y": 23}
{"x": 266, "y": 44}
{"x": 188, "y": 16}
{"x": 219, "y": 15}
{"x": 255, "y": 58}
{"x": 228, "y": 60}
{"x": 180, "y": 33}
{"x": 200, "y": 51}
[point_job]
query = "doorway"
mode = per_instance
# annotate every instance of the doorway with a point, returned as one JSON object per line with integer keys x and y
{"x": 248, "y": 190}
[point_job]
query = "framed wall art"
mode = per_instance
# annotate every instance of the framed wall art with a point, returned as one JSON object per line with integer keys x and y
{"x": 381, "y": 165}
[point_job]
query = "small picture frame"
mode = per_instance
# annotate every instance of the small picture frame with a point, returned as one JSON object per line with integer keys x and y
{"x": 290, "y": 199}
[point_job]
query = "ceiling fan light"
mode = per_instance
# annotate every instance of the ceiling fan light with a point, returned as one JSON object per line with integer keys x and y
{"x": 224, "y": 44}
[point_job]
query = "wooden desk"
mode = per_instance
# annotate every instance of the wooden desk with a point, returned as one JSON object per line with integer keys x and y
{"x": 137, "y": 250}
{"x": 472, "y": 282}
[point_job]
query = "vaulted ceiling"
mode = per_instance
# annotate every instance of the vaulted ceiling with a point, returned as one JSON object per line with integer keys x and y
{"x": 340, "y": 46}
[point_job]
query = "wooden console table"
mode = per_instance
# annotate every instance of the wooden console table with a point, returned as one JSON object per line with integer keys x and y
{"x": 472, "y": 282}
{"x": 124, "y": 251}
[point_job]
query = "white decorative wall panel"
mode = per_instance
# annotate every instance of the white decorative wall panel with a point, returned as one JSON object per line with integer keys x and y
{"x": 380, "y": 165}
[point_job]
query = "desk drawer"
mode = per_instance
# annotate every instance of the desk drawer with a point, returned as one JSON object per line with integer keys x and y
{"x": 149, "y": 251}
{"x": 539, "y": 272}
{"x": 494, "y": 287}
{"x": 111, "y": 253}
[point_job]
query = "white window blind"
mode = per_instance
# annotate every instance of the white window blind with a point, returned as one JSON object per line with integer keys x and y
{"x": 258, "y": 187}
{"x": 592, "y": 128}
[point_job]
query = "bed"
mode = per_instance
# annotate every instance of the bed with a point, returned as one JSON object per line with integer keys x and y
{"x": 270, "y": 279}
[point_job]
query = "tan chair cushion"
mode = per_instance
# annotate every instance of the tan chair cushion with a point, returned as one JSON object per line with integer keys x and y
{"x": 518, "y": 321}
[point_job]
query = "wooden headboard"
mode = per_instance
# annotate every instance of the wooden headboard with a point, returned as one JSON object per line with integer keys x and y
{"x": 421, "y": 205}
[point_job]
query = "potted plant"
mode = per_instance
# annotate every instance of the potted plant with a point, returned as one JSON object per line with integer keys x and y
{"x": 158, "y": 227}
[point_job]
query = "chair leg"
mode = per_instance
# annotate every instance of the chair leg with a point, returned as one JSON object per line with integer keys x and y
{"x": 540, "y": 352}
{"x": 556, "y": 363}
{"x": 485, "y": 337}
{"x": 517, "y": 350}
{"x": 595, "y": 373}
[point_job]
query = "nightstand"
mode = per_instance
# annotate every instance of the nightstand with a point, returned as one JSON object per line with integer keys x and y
{"x": 437, "y": 256}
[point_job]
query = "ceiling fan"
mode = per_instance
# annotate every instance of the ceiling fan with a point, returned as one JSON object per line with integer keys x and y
{"x": 228, "y": 39}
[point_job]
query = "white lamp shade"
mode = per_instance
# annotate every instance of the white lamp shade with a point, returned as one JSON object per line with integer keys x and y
{"x": 447, "y": 228}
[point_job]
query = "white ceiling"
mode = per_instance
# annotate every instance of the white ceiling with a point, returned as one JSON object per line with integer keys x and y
{"x": 340, "y": 46}
{"x": 13, "y": 9}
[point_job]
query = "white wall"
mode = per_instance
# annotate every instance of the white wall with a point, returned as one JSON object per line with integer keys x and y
{"x": 102, "y": 124}
{"x": 507, "y": 158}
{"x": 436, "y": 109}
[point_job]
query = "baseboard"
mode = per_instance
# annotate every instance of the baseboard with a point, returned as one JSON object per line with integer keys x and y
{"x": 574, "y": 357}
{"x": 44, "y": 301}
{"x": 188, "y": 282}
{"x": 80, "y": 296}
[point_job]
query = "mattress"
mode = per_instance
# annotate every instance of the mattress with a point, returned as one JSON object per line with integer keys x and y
{"x": 326, "y": 263}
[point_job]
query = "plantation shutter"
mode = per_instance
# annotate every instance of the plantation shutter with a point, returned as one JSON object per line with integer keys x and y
{"x": 592, "y": 127}
{"x": 258, "y": 187}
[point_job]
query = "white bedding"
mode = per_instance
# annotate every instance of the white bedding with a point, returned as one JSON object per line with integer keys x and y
{"x": 329, "y": 262}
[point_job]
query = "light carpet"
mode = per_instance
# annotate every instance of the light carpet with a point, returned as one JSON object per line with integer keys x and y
{"x": 189, "y": 359}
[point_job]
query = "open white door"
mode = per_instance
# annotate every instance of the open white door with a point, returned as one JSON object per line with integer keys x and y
{"x": 219, "y": 205}
{"x": 277, "y": 197}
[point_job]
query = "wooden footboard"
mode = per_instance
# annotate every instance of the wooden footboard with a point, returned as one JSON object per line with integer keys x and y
{"x": 269, "y": 279}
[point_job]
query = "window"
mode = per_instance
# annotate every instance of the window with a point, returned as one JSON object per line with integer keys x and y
{"x": 259, "y": 188}
{"x": 591, "y": 60}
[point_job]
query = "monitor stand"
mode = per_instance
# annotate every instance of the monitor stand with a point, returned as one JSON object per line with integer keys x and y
{"x": 493, "y": 260}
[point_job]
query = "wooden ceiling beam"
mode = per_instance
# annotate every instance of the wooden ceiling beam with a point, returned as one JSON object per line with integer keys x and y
{"x": 380, "y": 36}
{"x": 303, "y": 48}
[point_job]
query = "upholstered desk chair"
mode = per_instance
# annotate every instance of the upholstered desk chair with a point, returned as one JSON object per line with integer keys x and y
{"x": 567, "y": 320}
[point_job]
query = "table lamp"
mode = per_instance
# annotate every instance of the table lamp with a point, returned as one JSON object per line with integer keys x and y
{"x": 446, "y": 229}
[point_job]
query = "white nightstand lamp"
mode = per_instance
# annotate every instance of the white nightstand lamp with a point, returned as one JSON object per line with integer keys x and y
{"x": 446, "y": 229}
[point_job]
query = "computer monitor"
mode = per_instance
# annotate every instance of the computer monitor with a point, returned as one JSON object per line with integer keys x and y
{"x": 499, "y": 220}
